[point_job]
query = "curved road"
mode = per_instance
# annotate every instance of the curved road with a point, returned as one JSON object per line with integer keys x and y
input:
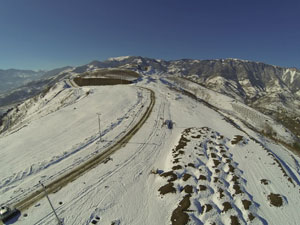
{"x": 70, "y": 176}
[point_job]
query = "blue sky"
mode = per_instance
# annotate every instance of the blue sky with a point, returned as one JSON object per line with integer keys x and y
{"x": 38, "y": 34}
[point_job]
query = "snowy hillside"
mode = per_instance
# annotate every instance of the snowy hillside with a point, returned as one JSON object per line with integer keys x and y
{"x": 272, "y": 90}
{"x": 212, "y": 167}
{"x": 235, "y": 109}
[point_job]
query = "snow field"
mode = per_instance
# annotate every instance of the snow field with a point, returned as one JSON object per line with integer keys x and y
{"x": 69, "y": 134}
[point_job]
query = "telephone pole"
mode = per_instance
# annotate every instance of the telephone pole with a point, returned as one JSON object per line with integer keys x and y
{"x": 58, "y": 220}
{"x": 99, "y": 114}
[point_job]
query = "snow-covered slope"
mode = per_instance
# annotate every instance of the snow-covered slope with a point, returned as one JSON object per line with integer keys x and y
{"x": 59, "y": 130}
{"x": 211, "y": 168}
{"x": 235, "y": 109}
{"x": 47, "y": 79}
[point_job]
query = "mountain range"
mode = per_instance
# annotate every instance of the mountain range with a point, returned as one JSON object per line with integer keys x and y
{"x": 12, "y": 78}
{"x": 272, "y": 90}
{"x": 18, "y": 85}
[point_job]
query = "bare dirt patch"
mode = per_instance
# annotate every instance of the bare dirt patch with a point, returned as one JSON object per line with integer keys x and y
{"x": 169, "y": 174}
{"x": 180, "y": 152}
{"x": 234, "y": 220}
{"x": 237, "y": 189}
{"x": 225, "y": 156}
{"x": 236, "y": 139}
{"x": 186, "y": 176}
{"x": 202, "y": 187}
{"x": 182, "y": 143}
{"x": 246, "y": 204}
{"x": 176, "y": 160}
{"x": 216, "y": 162}
{"x": 213, "y": 155}
{"x": 275, "y": 199}
{"x": 206, "y": 208}
{"x": 226, "y": 206}
{"x": 191, "y": 165}
{"x": 251, "y": 217}
{"x": 179, "y": 215}
{"x": 202, "y": 177}
{"x": 166, "y": 189}
{"x": 216, "y": 179}
{"x": 221, "y": 191}
{"x": 178, "y": 167}
{"x": 197, "y": 137}
{"x": 235, "y": 179}
{"x": 264, "y": 181}
{"x": 231, "y": 168}
{"x": 188, "y": 189}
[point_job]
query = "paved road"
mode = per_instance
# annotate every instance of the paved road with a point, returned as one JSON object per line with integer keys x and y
{"x": 72, "y": 175}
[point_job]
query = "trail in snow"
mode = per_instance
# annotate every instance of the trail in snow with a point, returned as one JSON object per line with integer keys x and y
{"x": 130, "y": 116}
{"x": 130, "y": 162}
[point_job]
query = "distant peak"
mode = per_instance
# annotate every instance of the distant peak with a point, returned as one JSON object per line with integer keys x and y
{"x": 236, "y": 59}
{"x": 120, "y": 58}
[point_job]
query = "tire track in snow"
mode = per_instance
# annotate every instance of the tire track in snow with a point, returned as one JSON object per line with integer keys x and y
{"x": 104, "y": 178}
{"x": 10, "y": 182}
{"x": 90, "y": 164}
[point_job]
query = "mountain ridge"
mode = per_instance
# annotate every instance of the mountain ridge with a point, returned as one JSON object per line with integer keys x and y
{"x": 273, "y": 90}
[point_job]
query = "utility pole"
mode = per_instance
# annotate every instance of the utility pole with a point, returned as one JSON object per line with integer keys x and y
{"x": 58, "y": 220}
{"x": 99, "y": 114}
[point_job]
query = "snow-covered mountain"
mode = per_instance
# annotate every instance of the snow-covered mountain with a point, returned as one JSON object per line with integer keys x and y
{"x": 12, "y": 78}
{"x": 245, "y": 80}
{"x": 183, "y": 143}
{"x": 27, "y": 85}
{"x": 270, "y": 89}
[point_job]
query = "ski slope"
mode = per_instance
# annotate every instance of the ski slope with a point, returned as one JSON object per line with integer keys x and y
{"x": 58, "y": 133}
{"x": 205, "y": 170}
